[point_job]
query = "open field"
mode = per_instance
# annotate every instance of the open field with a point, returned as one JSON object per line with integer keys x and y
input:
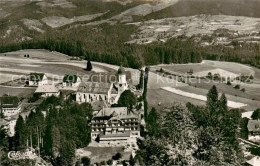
{"x": 57, "y": 3}
{"x": 160, "y": 99}
{"x": 20, "y": 92}
{"x": 58, "y": 21}
{"x": 55, "y": 65}
{"x": 207, "y": 65}
{"x": 156, "y": 81}
{"x": 33, "y": 24}
{"x": 199, "y": 87}
{"x": 230, "y": 103}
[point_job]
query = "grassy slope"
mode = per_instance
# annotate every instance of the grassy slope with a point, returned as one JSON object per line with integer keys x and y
{"x": 248, "y": 8}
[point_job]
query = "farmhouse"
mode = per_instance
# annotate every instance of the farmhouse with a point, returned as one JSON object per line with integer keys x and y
{"x": 48, "y": 90}
{"x": 10, "y": 105}
{"x": 71, "y": 81}
{"x": 115, "y": 125}
{"x": 254, "y": 130}
{"x": 36, "y": 79}
{"x": 110, "y": 92}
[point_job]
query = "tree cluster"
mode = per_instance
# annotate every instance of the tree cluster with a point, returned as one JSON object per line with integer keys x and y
{"x": 64, "y": 129}
{"x": 193, "y": 135}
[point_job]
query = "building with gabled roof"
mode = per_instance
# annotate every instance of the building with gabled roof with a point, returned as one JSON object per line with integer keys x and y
{"x": 115, "y": 124}
{"x": 48, "y": 90}
{"x": 96, "y": 91}
{"x": 98, "y": 105}
{"x": 253, "y": 127}
{"x": 10, "y": 105}
{"x": 36, "y": 79}
{"x": 71, "y": 81}
{"x": 110, "y": 92}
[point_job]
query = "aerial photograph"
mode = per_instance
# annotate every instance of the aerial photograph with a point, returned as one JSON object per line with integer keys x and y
{"x": 129, "y": 82}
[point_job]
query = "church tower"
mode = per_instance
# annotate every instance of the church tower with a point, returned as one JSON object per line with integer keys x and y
{"x": 122, "y": 83}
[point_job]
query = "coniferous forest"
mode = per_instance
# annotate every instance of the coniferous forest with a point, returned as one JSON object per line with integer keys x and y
{"x": 101, "y": 46}
{"x": 63, "y": 129}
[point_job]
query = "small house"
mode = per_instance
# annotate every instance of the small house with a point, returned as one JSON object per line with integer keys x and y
{"x": 71, "y": 81}
{"x": 36, "y": 79}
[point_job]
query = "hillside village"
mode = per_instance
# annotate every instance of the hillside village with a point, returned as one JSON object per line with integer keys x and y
{"x": 112, "y": 125}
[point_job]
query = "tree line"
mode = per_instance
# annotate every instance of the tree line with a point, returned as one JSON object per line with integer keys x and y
{"x": 176, "y": 50}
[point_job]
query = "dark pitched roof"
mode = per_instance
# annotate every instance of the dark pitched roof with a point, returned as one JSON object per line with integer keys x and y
{"x": 121, "y": 70}
{"x": 101, "y": 117}
{"x": 9, "y": 101}
{"x": 94, "y": 87}
{"x": 36, "y": 76}
{"x": 98, "y": 105}
{"x": 70, "y": 78}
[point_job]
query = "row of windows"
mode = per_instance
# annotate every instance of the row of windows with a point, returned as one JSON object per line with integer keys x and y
{"x": 114, "y": 125}
{"x": 128, "y": 129}
{"x": 91, "y": 98}
{"x": 124, "y": 120}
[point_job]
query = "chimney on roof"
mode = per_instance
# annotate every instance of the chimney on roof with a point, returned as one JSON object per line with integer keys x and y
{"x": 103, "y": 112}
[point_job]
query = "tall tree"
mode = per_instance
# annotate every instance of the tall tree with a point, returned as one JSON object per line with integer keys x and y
{"x": 256, "y": 114}
{"x": 67, "y": 153}
{"x": 212, "y": 97}
{"x": 20, "y": 131}
{"x": 131, "y": 160}
{"x": 141, "y": 80}
{"x": 152, "y": 122}
{"x": 89, "y": 66}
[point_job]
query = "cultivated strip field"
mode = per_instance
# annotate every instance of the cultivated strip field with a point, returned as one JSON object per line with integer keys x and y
{"x": 231, "y": 104}
{"x": 194, "y": 90}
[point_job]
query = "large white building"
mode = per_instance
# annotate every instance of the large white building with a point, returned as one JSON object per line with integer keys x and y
{"x": 10, "y": 105}
{"x": 110, "y": 92}
{"x": 115, "y": 125}
{"x": 36, "y": 79}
